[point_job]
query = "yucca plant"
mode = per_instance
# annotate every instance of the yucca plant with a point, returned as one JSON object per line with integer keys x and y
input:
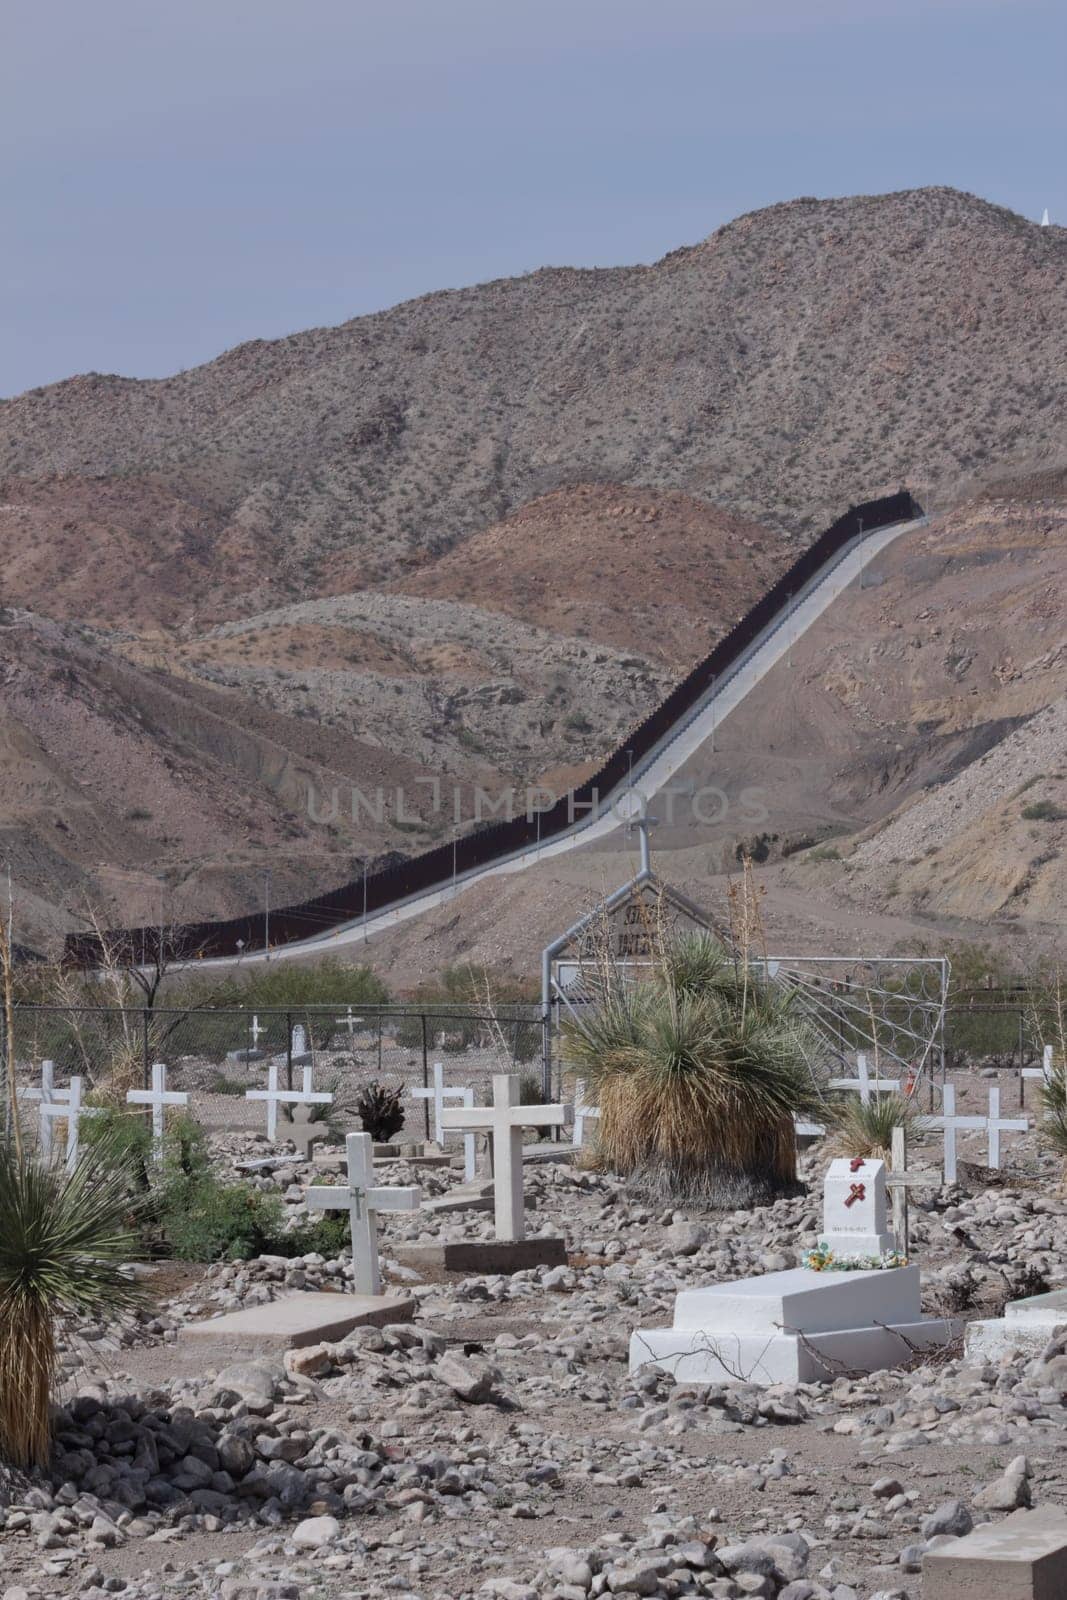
{"x": 867, "y": 1130}
{"x": 381, "y": 1110}
{"x": 1053, "y": 1126}
{"x": 63, "y": 1239}
{"x": 698, "y": 1071}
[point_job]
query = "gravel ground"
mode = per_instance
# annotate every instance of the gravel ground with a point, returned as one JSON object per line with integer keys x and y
{"x": 497, "y": 1446}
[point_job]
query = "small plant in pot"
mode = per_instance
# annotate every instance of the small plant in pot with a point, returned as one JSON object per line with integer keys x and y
{"x": 380, "y": 1111}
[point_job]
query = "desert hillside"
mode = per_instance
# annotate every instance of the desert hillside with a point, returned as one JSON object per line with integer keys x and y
{"x": 477, "y": 536}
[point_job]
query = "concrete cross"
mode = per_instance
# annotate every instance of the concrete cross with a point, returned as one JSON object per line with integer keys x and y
{"x": 950, "y": 1124}
{"x": 899, "y": 1181}
{"x": 864, "y": 1083}
{"x": 48, "y": 1095}
{"x": 158, "y": 1097}
{"x": 274, "y": 1096}
{"x": 996, "y": 1125}
{"x": 72, "y": 1110}
{"x": 582, "y": 1110}
{"x": 362, "y": 1201}
{"x": 505, "y": 1120}
{"x": 438, "y": 1094}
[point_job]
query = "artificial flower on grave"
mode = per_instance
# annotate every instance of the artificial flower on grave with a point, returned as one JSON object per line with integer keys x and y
{"x": 822, "y": 1259}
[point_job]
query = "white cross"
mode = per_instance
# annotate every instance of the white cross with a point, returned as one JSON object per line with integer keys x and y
{"x": 996, "y": 1124}
{"x": 864, "y": 1082}
{"x": 438, "y": 1094}
{"x": 899, "y": 1181}
{"x": 49, "y": 1095}
{"x": 255, "y": 1031}
{"x": 470, "y": 1153}
{"x": 288, "y": 1097}
{"x": 505, "y": 1120}
{"x": 1044, "y": 1071}
{"x": 72, "y": 1110}
{"x": 158, "y": 1097}
{"x": 362, "y": 1201}
{"x": 349, "y": 1021}
{"x": 950, "y": 1125}
{"x": 582, "y": 1110}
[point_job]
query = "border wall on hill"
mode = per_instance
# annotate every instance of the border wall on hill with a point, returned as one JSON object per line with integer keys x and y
{"x": 435, "y": 868}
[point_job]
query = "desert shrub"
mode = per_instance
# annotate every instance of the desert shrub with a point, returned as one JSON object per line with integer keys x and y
{"x": 212, "y": 1221}
{"x": 380, "y": 1110}
{"x": 867, "y": 1130}
{"x": 1044, "y": 811}
{"x": 64, "y": 1237}
{"x": 699, "y": 1071}
{"x": 289, "y": 986}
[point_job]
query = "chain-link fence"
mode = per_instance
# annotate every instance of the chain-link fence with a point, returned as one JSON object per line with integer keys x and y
{"x": 216, "y": 1056}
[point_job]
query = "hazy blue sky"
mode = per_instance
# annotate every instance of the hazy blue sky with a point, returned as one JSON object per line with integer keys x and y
{"x": 178, "y": 177}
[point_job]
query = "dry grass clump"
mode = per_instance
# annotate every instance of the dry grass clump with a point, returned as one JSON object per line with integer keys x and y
{"x": 867, "y": 1130}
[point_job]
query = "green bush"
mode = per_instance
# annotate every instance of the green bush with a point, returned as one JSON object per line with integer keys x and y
{"x": 1044, "y": 811}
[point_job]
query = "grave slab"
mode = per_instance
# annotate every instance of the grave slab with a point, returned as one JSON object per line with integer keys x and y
{"x": 477, "y": 1256}
{"x": 1022, "y": 1558}
{"x": 464, "y": 1197}
{"x": 1026, "y": 1326}
{"x": 299, "y": 1319}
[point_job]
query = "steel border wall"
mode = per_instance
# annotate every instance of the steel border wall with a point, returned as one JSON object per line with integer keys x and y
{"x": 435, "y": 869}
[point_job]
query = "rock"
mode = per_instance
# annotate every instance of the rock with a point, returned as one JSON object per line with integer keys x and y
{"x": 252, "y": 1380}
{"x": 952, "y": 1517}
{"x": 467, "y": 1377}
{"x": 316, "y": 1532}
{"x": 886, "y": 1488}
{"x": 1009, "y": 1492}
{"x": 685, "y": 1238}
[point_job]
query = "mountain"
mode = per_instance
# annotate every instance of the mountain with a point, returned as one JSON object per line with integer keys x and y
{"x": 476, "y": 536}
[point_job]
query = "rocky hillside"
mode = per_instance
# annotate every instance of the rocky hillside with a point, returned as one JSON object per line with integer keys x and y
{"x": 475, "y": 537}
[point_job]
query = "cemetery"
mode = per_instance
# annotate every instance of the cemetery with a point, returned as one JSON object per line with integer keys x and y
{"x": 805, "y": 1338}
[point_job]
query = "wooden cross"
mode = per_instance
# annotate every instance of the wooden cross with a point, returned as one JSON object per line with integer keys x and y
{"x": 950, "y": 1124}
{"x": 158, "y": 1097}
{"x": 349, "y": 1021}
{"x": 996, "y": 1125}
{"x": 582, "y": 1110}
{"x": 899, "y": 1181}
{"x": 438, "y": 1094}
{"x": 470, "y": 1153}
{"x": 864, "y": 1083}
{"x": 48, "y": 1095}
{"x": 255, "y": 1030}
{"x": 362, "y": 1200}
{"x": 274, "y": 1096}
{"x": 505, "y": 1120}
{"x": 71, "y": 1110}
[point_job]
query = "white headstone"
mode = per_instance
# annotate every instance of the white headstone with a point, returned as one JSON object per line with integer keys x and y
{"x": 950, "y": 1124}
{"x": 70, "y": 1110}
{"x": 854, "y": 1208}
{"x": 470, "y": 1152}
{"x": 362, "y": 1200}
{"x": 300, "y": 1055}
{"x": 275, "y": 1096}
{"x": 864, "y": 1084}
{"x": 505, "y": 1120}
{"x": 1045, "y": 218}
{"x": 158, "y": 1097}
{"x": 438, "y": 1094}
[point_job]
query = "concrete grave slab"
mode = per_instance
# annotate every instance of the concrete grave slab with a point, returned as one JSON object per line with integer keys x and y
{"x": 464, "y": 1197}
{"x": 298, "y": 1319}
{"x": 1022, "y": 1558}
{"x": 1026, "y": 1326}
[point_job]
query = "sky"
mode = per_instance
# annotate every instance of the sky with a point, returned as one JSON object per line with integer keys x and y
{"x": 178, "y": 178}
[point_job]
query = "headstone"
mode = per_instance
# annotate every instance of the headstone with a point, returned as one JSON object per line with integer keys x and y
{"x": 582, "y": 1111}
{"x": 854, "y": 1208}
{"x": 900, "y": 1180}
{"x": 504, "y": 1120}
{"x": 1024, "y": 1557}
{"x": 950, "y": 1124}
{"x": 362, "y": 1200}
{"x": 276, "y": 1096}
{"x": 864, "y": 1084}
{"x": 158, "y": 1097}
{"x": 304, "y": 1131}
{"x": 438, "y": 1094}
{"x": 46, "y": 1095}
{"x": 470, "y": 1152}
{"x": 996, "y": 1125}
{"x": 300, "y": 1055}
{"x": 70, "y": 1110}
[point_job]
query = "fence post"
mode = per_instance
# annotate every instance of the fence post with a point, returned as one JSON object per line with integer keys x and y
{"x": 425, "y": 1073}
{"x": 289, "y": 1050}
{"x": 381, "y": 1028}
{"x": 146, "y": 1065}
